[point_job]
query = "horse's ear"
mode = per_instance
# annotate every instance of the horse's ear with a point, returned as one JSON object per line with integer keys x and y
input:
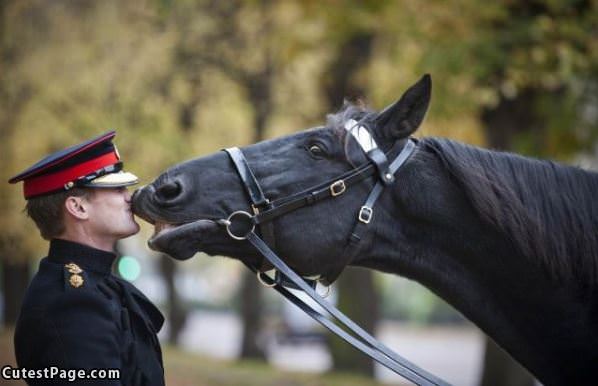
{"x": 403, "y": 117}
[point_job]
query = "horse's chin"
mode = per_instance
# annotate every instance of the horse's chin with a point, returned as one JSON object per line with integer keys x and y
{"x": 180, "y": 241}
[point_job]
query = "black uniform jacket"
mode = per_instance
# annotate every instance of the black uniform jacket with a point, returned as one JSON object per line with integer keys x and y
{"x": 77, "y": 315}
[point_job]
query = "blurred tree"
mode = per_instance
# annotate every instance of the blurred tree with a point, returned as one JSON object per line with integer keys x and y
{"x": 15, "y": 248}
{"x": 530, "y": 68}
{"x": 526, "y": 68}
{"x": 183, "y": 78}
{"x": 240, "y": 37}
{"x": 357, "y": 296}
{"x": 542, "y": 55}
{"x": 351, "y": 39}
{"x": 177, "y": 312}
{"x": 56, "y": 88}
{"x": 358, "y": 299}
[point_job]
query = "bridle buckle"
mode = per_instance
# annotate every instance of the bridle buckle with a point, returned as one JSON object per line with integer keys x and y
{"x": 337, "y": 188}
{"x": 365, "y": 214}
{"x": 257, "y": 208}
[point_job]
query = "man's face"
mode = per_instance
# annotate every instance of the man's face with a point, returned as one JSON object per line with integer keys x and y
{"x": 110, "y": 213}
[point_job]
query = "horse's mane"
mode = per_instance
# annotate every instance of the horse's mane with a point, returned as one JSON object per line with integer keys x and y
{"x": 549, "y": 211}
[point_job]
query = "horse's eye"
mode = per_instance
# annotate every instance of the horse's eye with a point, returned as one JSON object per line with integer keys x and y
{"x": 316, "y": 151}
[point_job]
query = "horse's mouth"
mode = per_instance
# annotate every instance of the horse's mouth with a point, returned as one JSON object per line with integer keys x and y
{"x": 161, "y": 227}
{"x": 161, "y": 234}
{"x": 181, "y": 241}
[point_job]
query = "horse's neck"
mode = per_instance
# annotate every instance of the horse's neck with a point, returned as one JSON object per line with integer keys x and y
{"x": 472, "y": 267}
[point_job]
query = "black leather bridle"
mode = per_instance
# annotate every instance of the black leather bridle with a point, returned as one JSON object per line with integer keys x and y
{"x": 241, "y": 225}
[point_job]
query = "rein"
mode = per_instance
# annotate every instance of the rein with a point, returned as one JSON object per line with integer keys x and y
{"x": 241, "y": 225}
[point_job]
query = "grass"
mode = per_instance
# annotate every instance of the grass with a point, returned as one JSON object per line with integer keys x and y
{"x": 184, "y": 369}
{"x": 187, "y": 369}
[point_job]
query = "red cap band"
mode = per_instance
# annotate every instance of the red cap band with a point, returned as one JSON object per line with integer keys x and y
{"x": 51, "y": 182}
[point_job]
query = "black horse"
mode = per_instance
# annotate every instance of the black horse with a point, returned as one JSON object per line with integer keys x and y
{"x": 509, "y": 241}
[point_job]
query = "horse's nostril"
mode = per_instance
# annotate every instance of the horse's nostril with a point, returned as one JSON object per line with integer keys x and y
{"x": 169, "y": 190}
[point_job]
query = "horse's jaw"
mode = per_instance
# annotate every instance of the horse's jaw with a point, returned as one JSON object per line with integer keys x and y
{"x": 181, "y": 241}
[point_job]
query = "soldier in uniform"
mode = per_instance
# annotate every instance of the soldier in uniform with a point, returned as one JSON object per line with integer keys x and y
{"x": 76, "y": 314}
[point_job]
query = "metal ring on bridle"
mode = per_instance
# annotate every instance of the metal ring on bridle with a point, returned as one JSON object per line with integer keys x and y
{"x": 264, "y": 282}
{"x": 325, "y": 293}
{"x": 230, "y": 223}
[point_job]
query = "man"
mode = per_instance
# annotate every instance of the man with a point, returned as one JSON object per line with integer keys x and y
{"x": 76, "y": 314}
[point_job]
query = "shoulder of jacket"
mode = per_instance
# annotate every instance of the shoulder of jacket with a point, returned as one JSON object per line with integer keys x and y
{"x": 78, "y": 292}
{"x": 51, "y": 282}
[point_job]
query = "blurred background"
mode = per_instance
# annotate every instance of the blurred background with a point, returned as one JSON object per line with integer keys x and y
{"x": 181, "y": 79}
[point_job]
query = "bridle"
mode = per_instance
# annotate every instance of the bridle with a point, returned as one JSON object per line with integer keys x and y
{"x": 241, "y": 225}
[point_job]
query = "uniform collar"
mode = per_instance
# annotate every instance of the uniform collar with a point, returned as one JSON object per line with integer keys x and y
{"x": 88, "y": 258}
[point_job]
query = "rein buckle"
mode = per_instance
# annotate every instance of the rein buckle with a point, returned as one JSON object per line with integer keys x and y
{"x": 337, "y": 188}
{"x": 365, "y": 214}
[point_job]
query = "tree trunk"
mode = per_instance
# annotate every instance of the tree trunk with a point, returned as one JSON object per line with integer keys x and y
{"x": 357, "y": 295}
{"x": 358, "y": 300}
{"x": 15, "y": 279}
{"x": 512, "y": 118}
{"x": 258, "y": 88}
{"x": 14, "y": 266}
{"x": 251, "y": 312}
{"x": 177, "y": 313}
{"x": 501, "y": 369}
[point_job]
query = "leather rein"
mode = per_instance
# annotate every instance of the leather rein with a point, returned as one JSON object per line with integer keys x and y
{"x": 241, "y": 225}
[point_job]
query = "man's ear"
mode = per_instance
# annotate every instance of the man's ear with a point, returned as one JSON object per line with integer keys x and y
{"x": 76, "y": 207}
{"x": 403, "y": 117}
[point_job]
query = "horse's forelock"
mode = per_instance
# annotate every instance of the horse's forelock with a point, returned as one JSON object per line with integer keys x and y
{"x": 356, "y": 111}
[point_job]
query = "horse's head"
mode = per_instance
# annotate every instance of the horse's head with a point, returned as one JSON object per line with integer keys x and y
{"x": 184, "y": 202}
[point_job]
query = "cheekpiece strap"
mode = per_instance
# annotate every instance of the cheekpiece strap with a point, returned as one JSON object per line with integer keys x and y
{"x": 256, "y": 195}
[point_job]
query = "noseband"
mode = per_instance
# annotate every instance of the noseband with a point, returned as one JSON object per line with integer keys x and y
{"x": 241, "y": 225}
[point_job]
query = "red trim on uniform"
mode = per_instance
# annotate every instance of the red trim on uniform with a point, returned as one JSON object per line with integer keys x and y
{"x": 55, "y": 181}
